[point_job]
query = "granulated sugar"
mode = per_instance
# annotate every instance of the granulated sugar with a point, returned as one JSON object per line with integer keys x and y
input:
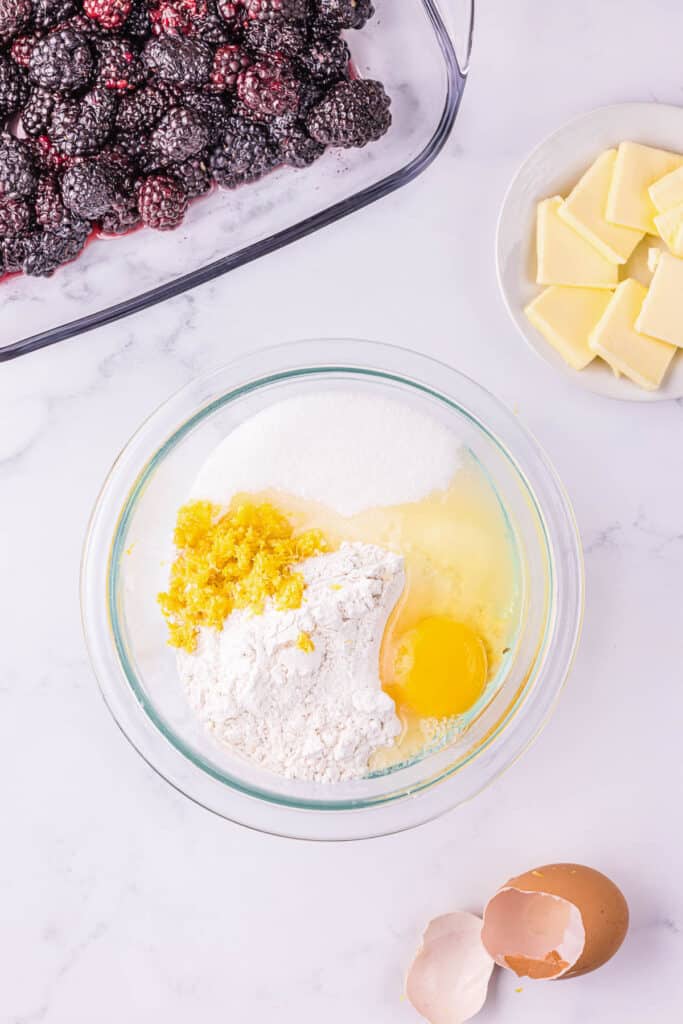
{"x": 347, "y": 450}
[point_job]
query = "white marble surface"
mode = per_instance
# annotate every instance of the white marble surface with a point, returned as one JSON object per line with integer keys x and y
{"x": 120, "y": 900}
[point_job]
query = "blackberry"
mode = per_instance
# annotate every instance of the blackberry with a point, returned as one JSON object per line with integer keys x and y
{"x": 81, "y": 127}
{"x": 89, "y": 189}
{"x": 180, "y": 134}
{"x": 178, "y": 59}
{"x": 49, "y": 205}
{"x": 63, "y": 61}
{"x": 198, "y": 18}
{"x": 37, "y": 111}
{"x": 276, "y": 10}
{"x": 162, "y": 202}
{"x": 121, "y": 163}
{"x": 269, "y": 87}
{"x": 46, "y": 158}
{"x": 14, "y": 15}
{"x": 45, "y": 251}
{"x": 245, "y": 154}
{"x": 313, "y": 92}
{"x": 228, "y": 61}
{"x": 108, "y": 13}
{"x": 39, "y": 253}
{"x": 169, "y": 16}
{"x": 194, "y": 176}
{"x": 210, "y": 26}
{"x": 211, "y": 109}
{"x": 17, "y": 171}
{"x": 119, "y": 66}
{"x": 48, "y": 13}
{"x": 11, "y": 88}
{"x": 131, "y": 143}
{"x": 285, "y": 37}
{"x": 22, "y": 48}
{"x": 143, "y": 110}
{"x": 213, "y": 31}
{"x": 345, "y": 13}
{"x": 296, "y": 147}
{"x": 84, "y": 26}
{"x": 139, "y": 150}
{"x": 244, "y": 113}
{"x": 15, "y": 217}
{"x": 231, "y": 11}
{"x": 17, "y": 251}
{"x": 124, "y": 217}
{"x": 138, "y": 24}
{"x": 38, "y": 261}
{"x": 351, "y": 115}
{"x": 327, "y": 57}
{"x": 66, "y": 242}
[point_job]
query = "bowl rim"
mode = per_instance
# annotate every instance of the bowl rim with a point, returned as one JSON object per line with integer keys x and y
{"x": 110, "y": 664}
{"x": 456, "y": 77}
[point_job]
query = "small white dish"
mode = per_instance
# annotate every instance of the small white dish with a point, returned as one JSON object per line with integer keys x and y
{"x": 552, "y": 169}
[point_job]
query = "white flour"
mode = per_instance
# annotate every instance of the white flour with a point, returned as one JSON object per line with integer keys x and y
{"x": 348, "y": 450}
{"x": 317, "y": 716}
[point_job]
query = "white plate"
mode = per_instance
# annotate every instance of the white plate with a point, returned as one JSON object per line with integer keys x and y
{"x": 552, "y": 169}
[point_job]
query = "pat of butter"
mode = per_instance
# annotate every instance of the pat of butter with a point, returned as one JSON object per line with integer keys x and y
{"x": 653, "y": 258}
{"x": 642, "y": 359}
{"x": 668, "y": 191}
{"x": 636, "y": 168}
{"x": 670, "y": 225}
{"x": 584, "y": 209}
{"x": 662, "y": 312}
{"x": 565, "y": 316}
{"x": 564, "y": 257}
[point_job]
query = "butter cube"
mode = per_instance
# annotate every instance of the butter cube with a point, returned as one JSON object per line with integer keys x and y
{"x": 670, "y": 225}
{"x": 565, "y": 316}
{"x": 584, "y": 209}
{"x": 668, "y": 191}
{"x": 635, "y": 170}
{"x": 564, "y": 257}
{"x": 642, "y": 359}
{"x": 662, "y": 312}
{"x": 653, "y": 257}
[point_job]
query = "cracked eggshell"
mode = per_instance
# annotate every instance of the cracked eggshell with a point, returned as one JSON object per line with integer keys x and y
{"x": 557, "y": 921}
{"x": 448, "y": 980}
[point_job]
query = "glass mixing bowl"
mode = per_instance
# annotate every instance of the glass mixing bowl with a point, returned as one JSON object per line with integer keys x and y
{"x": 129, "y": 547}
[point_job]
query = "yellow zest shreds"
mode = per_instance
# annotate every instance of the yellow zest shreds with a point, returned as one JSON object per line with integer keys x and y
{"x": 229, "y": 560}
{"x": 305, "y": 643}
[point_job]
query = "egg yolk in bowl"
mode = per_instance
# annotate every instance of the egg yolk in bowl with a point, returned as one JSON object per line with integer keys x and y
{"x": 437, "y": 669}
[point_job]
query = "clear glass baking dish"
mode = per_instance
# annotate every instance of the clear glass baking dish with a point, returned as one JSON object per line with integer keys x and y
{"x": 409, "y": 47}
{"x": 128, "y": 550}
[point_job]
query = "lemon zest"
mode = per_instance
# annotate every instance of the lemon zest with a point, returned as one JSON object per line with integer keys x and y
{"x": 232, "y": 559}
{"x": 305, "y": 643}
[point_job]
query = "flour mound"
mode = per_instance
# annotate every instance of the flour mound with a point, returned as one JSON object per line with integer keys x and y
{"x": 315, "y": 716}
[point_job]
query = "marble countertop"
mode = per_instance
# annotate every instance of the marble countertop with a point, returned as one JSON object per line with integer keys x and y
{"x": 121, "y": 900}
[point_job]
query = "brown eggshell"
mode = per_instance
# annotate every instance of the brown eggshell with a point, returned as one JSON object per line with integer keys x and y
{"x": 602, "y": 906}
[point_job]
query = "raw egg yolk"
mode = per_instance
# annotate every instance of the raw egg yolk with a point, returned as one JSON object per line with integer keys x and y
{"x": 440, "y": 668}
